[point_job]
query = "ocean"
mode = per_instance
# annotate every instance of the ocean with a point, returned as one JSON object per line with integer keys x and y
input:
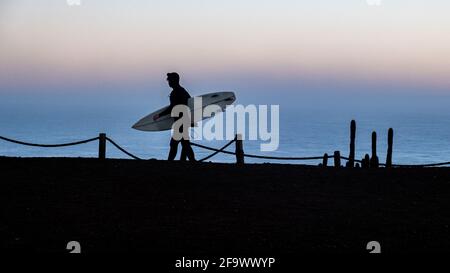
{"x": 422, "y": 131}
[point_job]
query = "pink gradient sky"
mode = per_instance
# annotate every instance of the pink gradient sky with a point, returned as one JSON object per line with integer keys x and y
{"x": 48, "y": 42}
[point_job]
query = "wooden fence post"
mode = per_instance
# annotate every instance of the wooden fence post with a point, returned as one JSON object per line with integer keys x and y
{"x": 337, "y": 159}
{"x": 239, "y": 150}
{"x": 102, "y": 146}
{"x": 390, "y": 148}
{"x": 351, "y": 162}
{"x": 365, "y": 162}
{"x": 374, "y": 162}
{"x": 325, "y": 160}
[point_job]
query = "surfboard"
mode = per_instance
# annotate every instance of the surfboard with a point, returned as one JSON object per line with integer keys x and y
{"x": 221, "y": 99}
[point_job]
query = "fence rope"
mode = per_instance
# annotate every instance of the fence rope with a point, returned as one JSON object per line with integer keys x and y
{"x": 405, "y": 166}
{"x": 258, "y": 156}
{"x": 49, "y": 145}
{"x": 420, "y": 166}
{"x": 221, "y": 150}
{"x": 215, "y": 152}
{"x": 122, "y": 149}
{"x": 138, "y": 158}
{"x": 212, "y": 149}
{"x": 355, "y": 160}
{"x": 286, "y": 158}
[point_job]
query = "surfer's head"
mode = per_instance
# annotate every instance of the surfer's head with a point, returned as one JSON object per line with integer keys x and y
{"x": 173, "y": 79}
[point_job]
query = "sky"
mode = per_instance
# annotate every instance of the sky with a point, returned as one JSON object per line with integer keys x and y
{"x": 127, "y": 46}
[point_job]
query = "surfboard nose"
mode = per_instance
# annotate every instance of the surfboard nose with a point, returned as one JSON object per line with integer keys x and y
{"x": 137, "y": 125}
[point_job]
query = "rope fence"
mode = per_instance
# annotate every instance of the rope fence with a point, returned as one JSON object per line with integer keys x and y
{"x": 123, "y": 150}
{"x": 255, "y": 156}
{"x": 240, "y": 155}
{"x": 221, "y": 150}
{"x": 49, "y": 145}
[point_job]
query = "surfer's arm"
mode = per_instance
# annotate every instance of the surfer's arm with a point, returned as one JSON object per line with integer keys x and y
{"x": 163, "y": 113}
{"x": 166, "y": 111}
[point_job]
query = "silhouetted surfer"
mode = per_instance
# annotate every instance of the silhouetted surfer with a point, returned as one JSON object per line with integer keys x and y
{"x": 178, "y": 96}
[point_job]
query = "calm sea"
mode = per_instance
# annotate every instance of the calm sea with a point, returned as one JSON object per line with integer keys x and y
{"x": 422, "y": 134}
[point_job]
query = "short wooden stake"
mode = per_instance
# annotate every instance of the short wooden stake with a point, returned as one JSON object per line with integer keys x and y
{"x": 365, "y": 162}
{"x": 337, "y": 159}
{"x": 239, "y": 150}
{"x": 374, "y": 162}
{"x": 390, "y": 148}
{"x": 325, "y": 160}
{"x": 102, "y": 146}
{"x": 351, "y": 162}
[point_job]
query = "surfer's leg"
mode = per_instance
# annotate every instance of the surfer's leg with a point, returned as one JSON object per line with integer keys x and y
{"x": 187, "y": 149}
{"x": 184, "y": 152}
{"x": 173, "y": 149}
{"x": 183, "y": 155}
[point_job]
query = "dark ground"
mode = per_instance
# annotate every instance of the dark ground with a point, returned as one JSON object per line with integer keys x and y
{"x": 156, "y": 206}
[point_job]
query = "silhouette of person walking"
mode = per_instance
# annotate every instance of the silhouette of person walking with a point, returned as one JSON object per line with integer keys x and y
{"x": 178, "y": 96}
